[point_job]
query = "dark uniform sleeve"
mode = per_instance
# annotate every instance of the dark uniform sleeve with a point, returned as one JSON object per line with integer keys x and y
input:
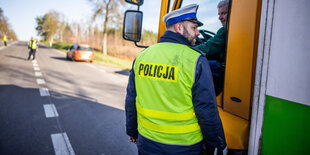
{"x": 205, "y": 106}
{"x": 215, "y": 46}
{"x": 130, "y": 106}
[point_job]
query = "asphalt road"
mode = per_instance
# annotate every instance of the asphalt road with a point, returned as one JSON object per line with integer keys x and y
{"x": 56, "y": 106}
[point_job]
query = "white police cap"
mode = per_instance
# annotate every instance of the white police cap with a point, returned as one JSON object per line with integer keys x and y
{"x": 186, "y": 13}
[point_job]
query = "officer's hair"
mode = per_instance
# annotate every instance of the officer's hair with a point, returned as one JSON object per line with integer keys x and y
{"x": 223, "y": 3}
{"x": 170, "y": 26}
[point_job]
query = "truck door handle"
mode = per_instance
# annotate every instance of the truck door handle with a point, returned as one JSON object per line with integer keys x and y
{"x": 235, "y": 99}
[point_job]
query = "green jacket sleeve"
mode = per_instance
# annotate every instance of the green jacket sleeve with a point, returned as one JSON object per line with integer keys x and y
{"x": 215, "y": 46}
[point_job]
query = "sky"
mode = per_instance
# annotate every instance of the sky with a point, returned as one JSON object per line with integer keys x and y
{"x": 207, "y": 13}
{"x": 21, "y": 14}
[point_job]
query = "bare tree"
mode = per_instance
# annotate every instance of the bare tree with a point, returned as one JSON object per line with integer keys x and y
{"x": 77, "y": 31}
{"x": 67, "y": 32}
{"x": 5, "y": 28}
{"x": 110, "y": 9}
{"x": 50, "y": 25}
{"x": 83, "y": 30}
{"x": 39, "y": 28}
{"x": 47, "y": 25}
{"x": 61, "y": 27}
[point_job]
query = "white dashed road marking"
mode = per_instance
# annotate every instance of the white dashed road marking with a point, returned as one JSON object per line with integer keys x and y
{"x": 50, "y": 110}
{"x": 44, "y": 92}
{"x": 38, "y": 74}
{"x": 40, "y": 81}
{"x": 62, "y": 144}
{"x": 60, "y": 141}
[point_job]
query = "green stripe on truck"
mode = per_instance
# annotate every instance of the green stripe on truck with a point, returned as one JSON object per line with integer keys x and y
{"x": 286, "y": 128}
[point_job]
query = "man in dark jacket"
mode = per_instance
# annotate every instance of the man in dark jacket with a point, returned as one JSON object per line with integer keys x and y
{"x": 215, "y": 48}
{"x": 170, "y": 104}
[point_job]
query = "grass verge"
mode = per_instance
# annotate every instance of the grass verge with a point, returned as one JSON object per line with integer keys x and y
{"x": 99, "y": 57}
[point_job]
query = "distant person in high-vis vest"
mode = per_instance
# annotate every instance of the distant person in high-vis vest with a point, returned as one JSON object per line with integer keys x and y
{"x": 33, "y": 46}
{"x": 5, "y": 39}
{"x": 170, "y": 103}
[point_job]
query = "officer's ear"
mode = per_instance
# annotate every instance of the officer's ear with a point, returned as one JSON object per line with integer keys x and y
{"x": 178, "y": 28}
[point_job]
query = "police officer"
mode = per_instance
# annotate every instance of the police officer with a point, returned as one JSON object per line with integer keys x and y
{"x": 33, "y": 46}
{"x": 170, "y": 104}
{"x": 5, "y": 39}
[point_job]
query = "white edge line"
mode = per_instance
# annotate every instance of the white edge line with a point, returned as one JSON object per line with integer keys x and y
{"x": 92, "y": 66}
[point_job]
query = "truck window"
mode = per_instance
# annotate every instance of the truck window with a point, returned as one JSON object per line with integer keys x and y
{"x": 207, "y": 14}
{"x": 216, "y": 48}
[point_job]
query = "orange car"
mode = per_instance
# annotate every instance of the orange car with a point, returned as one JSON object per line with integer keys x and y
{"x": 80, "y": 52}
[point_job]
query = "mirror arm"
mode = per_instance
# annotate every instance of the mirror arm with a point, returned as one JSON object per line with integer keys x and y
{"x": 140, "y": 45}
{"x": 138, "y": 3}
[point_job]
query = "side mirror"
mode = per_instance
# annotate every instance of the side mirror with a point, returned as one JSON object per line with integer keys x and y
{"x": 132, "y": 25}
{"x": 135, "y": 2}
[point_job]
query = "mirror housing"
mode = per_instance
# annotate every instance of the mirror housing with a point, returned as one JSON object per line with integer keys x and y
{"x": 132, "y": 25}
{"x": 135, "y": 2}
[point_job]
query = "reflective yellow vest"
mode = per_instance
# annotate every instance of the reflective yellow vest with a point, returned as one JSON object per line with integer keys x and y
{"x": 33, "y": 44}
{"x": 164, "y": 76}
{"x": 5, "y": 38}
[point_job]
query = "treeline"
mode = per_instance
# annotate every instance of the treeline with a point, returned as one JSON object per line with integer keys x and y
{"x": 5, "y": 28}
{"x": 107, "y": 38}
